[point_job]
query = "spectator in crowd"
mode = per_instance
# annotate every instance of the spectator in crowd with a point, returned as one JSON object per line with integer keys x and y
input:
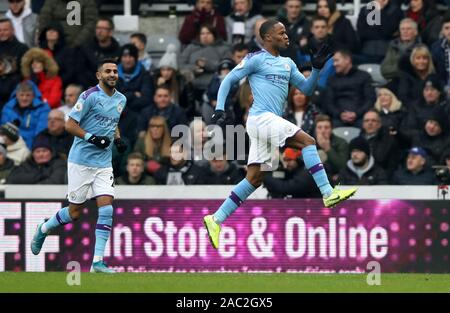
{"x": 9, "y": 45}
{"x": 9, "y": 78}
{"x": 361, "y": 169}
{"x": 197, "y": 142}
{"x": 60, "y": 140}
{"x": 375, "y": 37}
{"x": 421, "y": 109}
{"x": 16, "y": 147}
{"x": 440, "y": 50}
{"x": 102, "y": 46}
{"x": 139, "y": 40}
{"x": 317, "y": 37}
{"x": 135, "y": 172}
{"x": 292, "y": 180}
{"x": 52, "y": 41}
{"x": 6, "y": 164}
{"x": 409, "y": 84}
{"x": 76, "y": 34}
{"x": 338, "y": 26}
{"x": 400, "y": 49}
{"x": 208, "y": 107}
{"x": 383, "y": 146}
{"x": 27, "y": 107}
{"x": 241, "y": 22}
{"x": 416, "y": 171}
{"x": 24, "y": 21}
{"x": 71, "y": 95}
{"x": 445, "y": 160}
{"x": 154, "y": 144}
{"x": 333, "y": 149}
{"x": 238, "y": 52}
{"x": 390, "y": 109}
{"x": 163, "y": 106}
{"x": 256, "y": 43}
{"x": 182, "y": 91}
{"x": 202, "y": 13}
{"x": 43, "y": 167}
{"x": 222, "y": 172}
{"x": 180, "y": 170}
{"x": 294, "y": 19}
{"x": 427, "y": 17}
{"x": 42, "y": 69}
{"x": 300, "y": 110}
{"x": 137, "y": 86}
{"x": 349, "y": 93}
{"x": 200, "y": 58}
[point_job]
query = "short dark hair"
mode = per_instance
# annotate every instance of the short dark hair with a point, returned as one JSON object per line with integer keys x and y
{"x": 344, "y": 52}
{"x": 6, "y": 20}
{"x": 446, "y": 18}
{"x": 104, "y": 61}
{"x": 239, "y": 47}
{"x": 266, "y": 27}
{"x": 108, "y": 19}
{"x": 318, "y": 18}
{"x": 163, "y": 86}
{"x": 322, "y": 118}
{"x": 140, "y": 36}
{"x": 135, "y": 156}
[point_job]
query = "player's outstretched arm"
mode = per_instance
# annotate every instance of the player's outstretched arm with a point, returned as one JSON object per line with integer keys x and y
{"x": 74, "y": 129}
{"x": 219, "y": 116}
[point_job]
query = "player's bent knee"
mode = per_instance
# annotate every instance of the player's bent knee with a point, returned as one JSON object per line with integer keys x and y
{"x": 75, "y": 211}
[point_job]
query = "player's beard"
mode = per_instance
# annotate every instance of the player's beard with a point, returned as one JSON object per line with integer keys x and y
{"x": 111, "y": 84}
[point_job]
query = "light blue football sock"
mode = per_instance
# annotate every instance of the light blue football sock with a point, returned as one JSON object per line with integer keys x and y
{"x": 62, "y": 217}
{"x": 103, "y": 229}
{"x": 238, "y": 195}
{"x": 315, "y": 168}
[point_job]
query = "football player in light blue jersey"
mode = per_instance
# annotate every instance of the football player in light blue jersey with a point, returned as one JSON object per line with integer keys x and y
{"x": 269, "y": 75}
{"x": 94, "y": 123}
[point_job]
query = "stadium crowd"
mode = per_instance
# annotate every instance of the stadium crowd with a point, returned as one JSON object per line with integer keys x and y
{"x": 402, "y": 123}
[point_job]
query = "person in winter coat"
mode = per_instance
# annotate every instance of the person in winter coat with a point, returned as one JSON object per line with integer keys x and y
{"x": 24, "y": 21}
{"x": 9, "y": 78}
{"x": 349, "y": 93}
{"x": 361, "y": 169}
{"x": 390, "y": 109}
{"x": 440, "y": 50}
{"x": 339, "y": 27}
{"x": 43, "y": 167}
{"x": 416, "y": 171}
{"x": 201, "y": 57}
{"x": 42, "y": 69}
{"x": 202, "y": 13}
{"x": 76, "y": 34}
{"x": 399, "y": 50}
{"x": 6, "y": 164}
{"x": 9, "y": 45}
{"x": 427, "y": 17}
{"x": 29, "y": 109}
{"x": 15, "y": 145}
{"x": 300, "y": 110}
{"x": 222, "y": 172}
{"x": 241, "y": 22}
{"x": 52, "y": 40}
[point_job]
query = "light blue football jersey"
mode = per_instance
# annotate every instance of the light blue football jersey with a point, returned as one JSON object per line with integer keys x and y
{"x": 269, "y": 77}
{"x": 99, "y": 114}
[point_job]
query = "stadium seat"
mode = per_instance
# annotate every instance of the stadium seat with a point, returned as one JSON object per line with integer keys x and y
{"x": 347, "y": 133}
{"x": 156, "y": 44}
{"x": 375, "y": 72}
{"x": 122, "y": 37}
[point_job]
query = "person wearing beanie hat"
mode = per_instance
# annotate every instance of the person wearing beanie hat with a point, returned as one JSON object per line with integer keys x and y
{"x": 15, "y": 145}
{"x": 42, "y": 142}
{"x": 361, "y": 169}
{"x": 170, "y": 58}
{"x": 6, "y": 164}
{"x": 136, "y": 84}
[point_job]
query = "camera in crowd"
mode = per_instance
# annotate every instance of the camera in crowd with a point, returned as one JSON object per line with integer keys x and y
{"x": 442, "y": 174}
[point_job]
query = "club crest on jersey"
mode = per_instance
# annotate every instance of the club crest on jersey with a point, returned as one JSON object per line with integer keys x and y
{"x": 287, "y": 67}
{"x": 78, "y": 107}
{"x": 241, "y": 64}
{"x": 120, "y": 108}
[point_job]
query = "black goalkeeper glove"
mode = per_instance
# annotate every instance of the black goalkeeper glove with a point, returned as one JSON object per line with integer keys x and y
{"x": 219, "y": 118}
{"x": 102, "y": 142}
{"x": 120, "y": 145}
{"x": 319, "y": 58}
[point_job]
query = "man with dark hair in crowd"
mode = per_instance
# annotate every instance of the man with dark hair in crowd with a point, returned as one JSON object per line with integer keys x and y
{"x": 9, "y": 45}
{"x": 349, "y": 94}
{"x": 384, "y": 147}
{"x": 202, "y": 13}
{"x": 441, "y": 52}
{"x": 102, "y": 46}
{"x": 361, "y": 169}
{"x": 43, "y": 167}
{"x": 238, "y": 52}
{"x": 294, "y": 19}
{"x": 76, "y": 34}
{"x": 139, "y": 40}
{"x": 292, "y": 180}
{"x": 60, "y": 140}
{"x": 416, "y": 171}
{"x": 179, "y": 171}
{"x": 222, "y": 172}
{"x": 135, "y": 174}
{"x": 136, "y": 84}
{"x": 24, "y": 21}
{"x": 9, "y": 78}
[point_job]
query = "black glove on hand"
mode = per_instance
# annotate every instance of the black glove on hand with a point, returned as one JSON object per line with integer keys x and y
{"x": 102, "y": 142}
{"x": 120, "y": 145}
{"x": 321, "y": 57}
{"x": 219, "y": 118}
